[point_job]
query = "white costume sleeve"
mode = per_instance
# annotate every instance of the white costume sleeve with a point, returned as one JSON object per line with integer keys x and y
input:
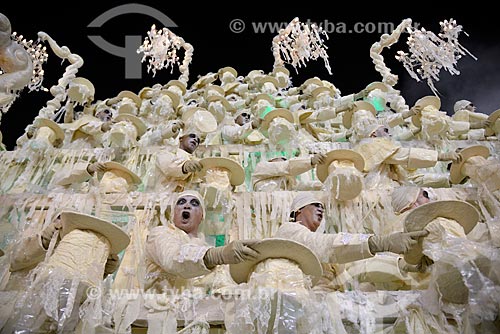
{"x": 77, "y": 174}
{"x": 27, "y": 252}
{"x": 413, "y": 157}
{"x": 170, "y": 165}
{"x": 330, "y": 248}
{"x": 292, "y": 167}
{"x": 176, "y": 253}
{"x": 236, "y": 133}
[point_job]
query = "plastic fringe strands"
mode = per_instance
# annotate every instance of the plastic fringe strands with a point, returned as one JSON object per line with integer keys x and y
{"x": 161, "y": 47}
{"x": 259, "y": 214}
{"x": 428, "y": 53}
{"x": 298, "y": 43}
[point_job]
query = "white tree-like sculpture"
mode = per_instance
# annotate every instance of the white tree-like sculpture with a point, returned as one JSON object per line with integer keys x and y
{"x": 161, "y": 47}
{"x": 298, "y": 43}
{"x": 21, "y": 64}
{"x": 429, "y": 53}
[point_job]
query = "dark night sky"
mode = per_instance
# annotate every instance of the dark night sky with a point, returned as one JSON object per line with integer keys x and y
{"x": 216, "y": 46}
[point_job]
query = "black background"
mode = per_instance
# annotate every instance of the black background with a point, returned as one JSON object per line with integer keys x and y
{"x": 207, "y": 28}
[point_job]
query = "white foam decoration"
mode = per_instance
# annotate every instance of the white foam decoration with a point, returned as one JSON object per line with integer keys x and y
{"x": 429, "y": 53}
{"x": 299, "y": 43}
{"x": 385, "y": 42}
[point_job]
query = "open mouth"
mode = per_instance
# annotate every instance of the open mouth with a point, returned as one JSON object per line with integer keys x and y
{"x": 186, "y": 215}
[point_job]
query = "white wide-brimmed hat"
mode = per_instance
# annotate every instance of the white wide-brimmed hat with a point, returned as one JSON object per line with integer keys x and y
{"x": 130, "y": 176}
{"x": 80, "y": 88}
{"x": 490, "y": 131}
{"x": 417, "y": 219}
{"x": 176, "y": 83}
{"x": 208, "y": 91}
{"x": 358, "y": 105}
{"x": 136, "y": 121}
{"x": 312, "y": 81}
{"x": 277, "y": 112}
{"x": 58, "y": 131}
{"x": 268, "y": 78}
{"x": 236, "y": 171}
{"x": 423, "y": 102}
{"x": 117, "y": 238}
{"x": 376, "y": 85}
{"x": 173, "y": 97}
{"x": 199, "y": 120}
{"x": 456, "y": 173}
{"x": 340, "y": 154}
{"x": 131, "y": 95}
{"x": 227, "y": 69}
{"x": 277, "y": 248}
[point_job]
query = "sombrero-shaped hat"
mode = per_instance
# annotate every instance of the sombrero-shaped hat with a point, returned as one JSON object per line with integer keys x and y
{"x": 281, "y": 69}
{"x": 146, "y": 93}
{"x": 263, "y": 96}
{"x": 253, "y": 75}
{"x": 312, "y": 81}
{"x": 317, "y": 91}
{"x": 492, "y": 118}
{"x": 376, "y": 85}
{"x": 303, "y": 114}
{"x": 222, "y": 99}
{"x": 174, "y": 97}
{"x": 204, "y": 80}
{"x": 237, "y": 173}
{"x": 131, "y": 95}
{"x": 74, "y": 92}
{"x": 115, "y": 166}
{"x": 456, "y": 175}
{"x": 268, "y": 78}
{"x": 278, "y": 112}
{"x": 201, "y": 119}
{"x": 417, "y": 219}
{"x": 176, "y": 83}
{"x": 230, "y": 87}
{"x": 358, "y": 105}
{"x": 227, "y": 69}
{"x": 341, "y": 154}
{"x": 424, "y": 102}
{"x": 117, "y": 238}
{"x": 41, "y": 122}
{"x": 136, "y": 121}
{"x": 216, "y": 88}
{"x": 276, "y": 248}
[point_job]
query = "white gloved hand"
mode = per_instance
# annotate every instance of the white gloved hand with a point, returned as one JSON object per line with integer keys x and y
{"x": 482, "y": 124}
{"x": 345, "y": 107}
{"x": 450, "y": 156}
{"x": 49, "y": 231}
{"x": 361, "y": 95}
{"x": 318, "y": 158}
{"x": 399, "y": 242}
{"x": 235, "y": 252}
{"x": 96, "y": 167}
{"x": 413, "y": 111}
{"x": 112, "y": 264}
{"x": 106, "y": 126}
{"x": 191, "y": 166}
{"x": 256, "y": 122}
